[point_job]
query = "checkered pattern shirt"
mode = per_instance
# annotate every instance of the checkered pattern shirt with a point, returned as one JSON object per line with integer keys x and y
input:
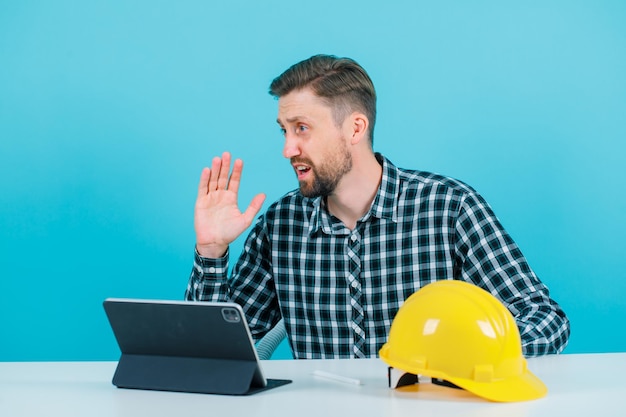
{"x": 338, "y": 290}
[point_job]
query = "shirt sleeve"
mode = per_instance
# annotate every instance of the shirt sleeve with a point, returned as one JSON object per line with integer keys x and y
{"x": 208, "y": 279}
{"x": 250, "y": 284}
{"x": 487, "y": 256}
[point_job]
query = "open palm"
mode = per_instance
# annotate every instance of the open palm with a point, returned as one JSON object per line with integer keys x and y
{"x": 218, "y": 220}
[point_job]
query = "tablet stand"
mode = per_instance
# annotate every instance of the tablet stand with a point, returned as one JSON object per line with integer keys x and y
{"x": 187, "y": 374}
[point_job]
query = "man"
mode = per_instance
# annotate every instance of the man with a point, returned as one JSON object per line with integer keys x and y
{"x": 337, "y": 257}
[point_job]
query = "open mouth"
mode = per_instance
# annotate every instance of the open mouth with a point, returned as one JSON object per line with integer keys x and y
{"x": 302, "y": 170}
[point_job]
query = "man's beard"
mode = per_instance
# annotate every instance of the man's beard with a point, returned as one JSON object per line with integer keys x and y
{"x": 327, "y": 175}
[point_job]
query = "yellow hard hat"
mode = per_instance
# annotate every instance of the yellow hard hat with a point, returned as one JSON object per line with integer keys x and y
{"x": 458, "y": 332}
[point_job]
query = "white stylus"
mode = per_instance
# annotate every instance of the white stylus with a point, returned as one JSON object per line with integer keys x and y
{"x": 338, "y": 378}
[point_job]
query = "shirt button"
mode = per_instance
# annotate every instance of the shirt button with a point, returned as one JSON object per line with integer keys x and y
{"x": 353, "y": 238}
{"x": 212, "y": 270}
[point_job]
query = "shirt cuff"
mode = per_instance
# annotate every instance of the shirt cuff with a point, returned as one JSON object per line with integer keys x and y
{"x": 211, "y": 267}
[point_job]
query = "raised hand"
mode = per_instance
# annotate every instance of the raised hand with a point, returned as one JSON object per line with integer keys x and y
{"x": 217, "y": 218}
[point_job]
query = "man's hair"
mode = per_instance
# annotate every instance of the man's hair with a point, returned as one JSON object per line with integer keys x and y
{"x": 340, "y": 82}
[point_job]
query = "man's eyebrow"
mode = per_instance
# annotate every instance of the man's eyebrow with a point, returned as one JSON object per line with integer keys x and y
{"x": 292, "y": 119}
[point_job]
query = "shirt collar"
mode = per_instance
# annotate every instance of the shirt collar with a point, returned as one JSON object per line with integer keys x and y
{"x": 384, "y": 205}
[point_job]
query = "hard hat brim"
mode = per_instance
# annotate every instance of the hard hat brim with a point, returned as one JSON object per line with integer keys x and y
{"x": 524, "y": 387}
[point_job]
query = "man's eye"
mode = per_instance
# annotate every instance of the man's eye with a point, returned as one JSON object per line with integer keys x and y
{"x": 302, "y": 128}
{"x": 283, "y": 131}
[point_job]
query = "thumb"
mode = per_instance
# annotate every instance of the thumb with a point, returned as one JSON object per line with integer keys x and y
{"x": 254, "y": 207}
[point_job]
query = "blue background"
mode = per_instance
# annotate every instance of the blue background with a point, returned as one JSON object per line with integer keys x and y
{"x": 109, "y": 110}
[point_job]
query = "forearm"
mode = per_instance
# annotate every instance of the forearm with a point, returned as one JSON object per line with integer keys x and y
{"x": 250, "y": 284}
{"x": 543, "y": 325}
{"x": 544, "y": 328}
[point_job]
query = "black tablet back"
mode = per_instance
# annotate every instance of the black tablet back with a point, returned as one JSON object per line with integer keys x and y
{"x": 201, "y": 347}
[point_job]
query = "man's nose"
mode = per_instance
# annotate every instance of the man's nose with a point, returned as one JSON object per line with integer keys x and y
{"x": 291, "y": 147}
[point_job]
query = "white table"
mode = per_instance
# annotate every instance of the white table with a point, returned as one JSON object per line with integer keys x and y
{"x": 579, "y": 385}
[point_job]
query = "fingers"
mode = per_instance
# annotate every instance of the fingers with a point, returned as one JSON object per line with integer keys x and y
{"x": 222, "y": 179}
{"x": 217, "y": 177}
{"x": 235, "y": 177}
{"x": 216, "y": 165}
{"x": 203, "y": 187}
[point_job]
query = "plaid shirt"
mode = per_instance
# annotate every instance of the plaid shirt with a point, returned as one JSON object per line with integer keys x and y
{"x": 338, "y": 290}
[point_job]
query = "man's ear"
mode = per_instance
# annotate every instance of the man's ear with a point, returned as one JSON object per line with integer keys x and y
{"x": 358, "y": 127}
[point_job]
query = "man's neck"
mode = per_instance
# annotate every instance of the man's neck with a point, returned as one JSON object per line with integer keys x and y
{"x": 354, "y": 195}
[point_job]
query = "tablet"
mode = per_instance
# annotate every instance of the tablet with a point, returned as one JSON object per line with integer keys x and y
{"x": 185, "y": 346}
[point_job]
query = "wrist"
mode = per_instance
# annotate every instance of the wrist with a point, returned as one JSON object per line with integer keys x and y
{"x": 211, "y": 251}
